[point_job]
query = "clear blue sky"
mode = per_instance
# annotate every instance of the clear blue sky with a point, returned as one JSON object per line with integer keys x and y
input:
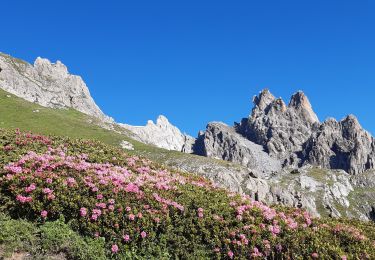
{"x": 199, "y": 61}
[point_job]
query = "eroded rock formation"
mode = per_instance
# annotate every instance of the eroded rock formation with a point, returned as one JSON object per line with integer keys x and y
{"x": 47, "y": 84}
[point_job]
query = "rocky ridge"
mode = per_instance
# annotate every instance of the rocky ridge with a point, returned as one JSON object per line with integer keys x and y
{"x": 162, "y": 134}
{"x": 293, "y": 135}
{"x": 47, "y": 84}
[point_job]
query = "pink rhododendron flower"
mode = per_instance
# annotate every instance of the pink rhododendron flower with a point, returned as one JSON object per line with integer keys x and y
{"x": 71, "y": 182}
{"x": 83, "y": 212}
{"x": 275, "y": 230}
{"x": 131, "y": 187}
{"x": 44, "y": 213}
{"x": 30, "y": 188}
{"x": 279, "y": 248}
{"x": 114, "y": 249}
{"x": 143, "y": 234}
{"x": 126, "y": 238}
{"x": 101, "y": 205}
{"x": 131, "y": 217}
{"x": 97, "y": 212}
{"x": 51, "y": 197}
{"x": 230, "y": 254}
{"x": 13, "y": 169}
{"x": 24, "y": 199}
{"x": 47, "y": 191}
{"x": 256, "y": 252}
{"x": 315, "y": 255}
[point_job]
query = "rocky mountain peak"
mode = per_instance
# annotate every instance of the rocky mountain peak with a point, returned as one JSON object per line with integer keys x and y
{"x": 299, "y": 99}
{"x": 293, "y": 135}
{"x": 301, "y": 103}
{"x": 46, "y": 68}
{"x": 162, "y": 134}
{"x": 163, "y": 122}
{"x": 48, "y": 84}
{"x": 264, "y": 99}
{"x": 351, "y": 121}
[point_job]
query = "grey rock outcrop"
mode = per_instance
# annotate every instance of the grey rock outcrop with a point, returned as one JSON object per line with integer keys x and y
{"x": 341, "y": 145}
{"x": 223, "y": 142}
{"x": 47, "y": 84}
{"x": 281, "y": 129}
{"x": 293, "y": 135}
{"x": 162, "y": 134}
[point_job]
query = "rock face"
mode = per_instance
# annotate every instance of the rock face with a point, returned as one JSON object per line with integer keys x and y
{"x": 223, "y": 142}
{"x": 293, "y": 135}
{"x": 162, "y": 134}
{"x": 48, "y": 84}
{"x": 341, "y": 145}
{"x": 281, "y": 129}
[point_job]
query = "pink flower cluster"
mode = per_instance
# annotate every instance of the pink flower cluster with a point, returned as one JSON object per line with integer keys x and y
{"x": 168, "y": 202}
{"x": 24, "y": 199}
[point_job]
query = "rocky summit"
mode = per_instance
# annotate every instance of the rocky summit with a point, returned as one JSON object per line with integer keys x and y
{"x": 293, "y": 135}
{"x": 162, "y": 134}
{"x": 48, "y": 84}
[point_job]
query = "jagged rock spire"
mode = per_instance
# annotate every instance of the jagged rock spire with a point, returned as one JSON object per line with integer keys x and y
{"x": 300, "y": 102}
{"x": 264, "y": 99}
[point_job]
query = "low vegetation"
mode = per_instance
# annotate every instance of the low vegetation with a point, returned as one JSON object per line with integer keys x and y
{"x": 89, "y": 200}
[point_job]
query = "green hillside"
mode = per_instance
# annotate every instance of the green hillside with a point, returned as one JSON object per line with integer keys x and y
{"x": 18, "y": 113}
{"x": 83, "y": 199}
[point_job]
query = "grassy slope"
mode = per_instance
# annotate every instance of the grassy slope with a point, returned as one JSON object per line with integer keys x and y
{"x": 18, "y": 113}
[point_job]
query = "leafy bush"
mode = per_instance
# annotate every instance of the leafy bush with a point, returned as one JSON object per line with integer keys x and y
{"x": 17, "y": 235}
{"x": 58, "y": 237}
{"x": 138, "y": 209}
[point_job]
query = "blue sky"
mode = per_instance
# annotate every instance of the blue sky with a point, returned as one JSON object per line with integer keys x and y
{"x": 199, "y": 61}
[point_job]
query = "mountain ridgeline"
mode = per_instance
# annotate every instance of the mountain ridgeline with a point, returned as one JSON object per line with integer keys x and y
{"x": 48, "y": 84}
{"x": 293, "y": 135}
